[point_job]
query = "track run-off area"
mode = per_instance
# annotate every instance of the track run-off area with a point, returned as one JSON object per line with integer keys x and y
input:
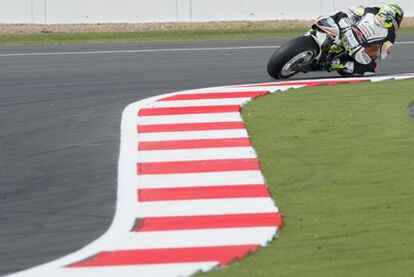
{"x": 191, "y": 195}
{"x": 61, "y": 115}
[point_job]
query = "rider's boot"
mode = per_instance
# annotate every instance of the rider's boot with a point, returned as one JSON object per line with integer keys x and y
{"x": 345, "y": 66}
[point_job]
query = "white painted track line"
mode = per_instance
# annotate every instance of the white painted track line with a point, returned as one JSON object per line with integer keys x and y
{"x": 144, "y": 51}
{"x": 404, "y": 43}
{"x": 138, "y": 51}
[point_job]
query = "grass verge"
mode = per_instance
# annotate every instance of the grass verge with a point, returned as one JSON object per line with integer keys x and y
{"x": 339, "y": 162}
{"x": 154, "y": 36}
{"x": 146, "y": 36}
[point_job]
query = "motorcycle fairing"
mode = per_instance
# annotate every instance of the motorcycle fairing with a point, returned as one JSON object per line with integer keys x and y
{"x": 328, "y": 25}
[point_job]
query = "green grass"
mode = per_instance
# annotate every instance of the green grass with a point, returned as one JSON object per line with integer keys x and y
{"x": 147, "y": 36}
{"x": 339, "y": 162}
{"x": 406, "y": 31}
{"x": 151, "y": 36}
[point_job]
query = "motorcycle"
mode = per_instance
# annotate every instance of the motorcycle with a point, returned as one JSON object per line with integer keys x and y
{"x": 313, "y": 51}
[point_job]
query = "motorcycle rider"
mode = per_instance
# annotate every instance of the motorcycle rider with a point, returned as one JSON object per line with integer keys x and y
{"x": 366, "y": 33}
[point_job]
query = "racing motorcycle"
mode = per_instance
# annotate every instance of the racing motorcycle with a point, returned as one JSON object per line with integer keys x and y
{"x": 314, "y": 51}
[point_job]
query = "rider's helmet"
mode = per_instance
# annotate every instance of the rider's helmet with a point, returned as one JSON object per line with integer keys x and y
{"x": 390, "y": 15}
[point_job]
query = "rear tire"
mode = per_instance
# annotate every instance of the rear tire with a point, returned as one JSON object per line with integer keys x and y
{"x": 287, "y": 52}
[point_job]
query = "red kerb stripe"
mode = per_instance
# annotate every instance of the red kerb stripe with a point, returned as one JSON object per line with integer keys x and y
{"x": 197, "y": 166}
{"x": 215, "y": 95}
{"x": 193, "y": 144}
{"x": 222, "y": 254}
{"x": 181, "y": 127}
{"x": 212, "y": 192}
{"x": 189, "y": 110}
{"x": 150, "y": 224}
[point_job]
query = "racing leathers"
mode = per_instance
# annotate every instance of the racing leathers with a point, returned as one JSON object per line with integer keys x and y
{"x": 359, "y": 32}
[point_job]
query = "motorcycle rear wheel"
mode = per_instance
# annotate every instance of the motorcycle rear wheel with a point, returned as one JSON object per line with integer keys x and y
{"x": 285, "y": 62}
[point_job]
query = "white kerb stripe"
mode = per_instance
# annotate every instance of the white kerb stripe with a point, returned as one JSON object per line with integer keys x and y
{"x": 239, "y": 88}
{"x": 157, "y": 270}
{"x": 198, "y": 103}
{"x": 192, "y": 118}
{"x": 205, "y": 207}
{"x": 196, "y": 154}
{"x": 210, "y": 134}
{"x": 228, "y": 178}
{"x": 196, "y": 238}
{"x": 404, "y": 77}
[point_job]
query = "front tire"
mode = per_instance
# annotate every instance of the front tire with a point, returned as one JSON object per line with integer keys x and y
{"x": 278, "y": 65}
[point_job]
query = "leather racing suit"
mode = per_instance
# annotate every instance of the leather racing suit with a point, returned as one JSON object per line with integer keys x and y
{"x": 359, "y": 32}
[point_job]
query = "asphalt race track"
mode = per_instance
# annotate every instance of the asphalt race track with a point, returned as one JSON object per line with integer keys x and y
{"x": 60, "y": 112}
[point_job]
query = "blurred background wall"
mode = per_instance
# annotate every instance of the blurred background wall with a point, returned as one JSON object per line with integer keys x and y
{"x": 146, "y": 11}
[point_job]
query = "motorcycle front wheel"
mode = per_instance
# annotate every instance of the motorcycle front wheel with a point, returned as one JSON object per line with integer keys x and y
{"x": 289, "y": 58}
